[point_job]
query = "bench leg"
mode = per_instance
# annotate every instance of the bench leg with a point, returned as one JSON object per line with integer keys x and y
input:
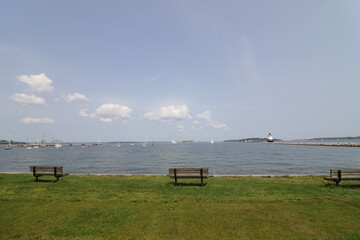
{"x": 57, "y": 179}
{"x": 337, "y": 183}
{"x": 201, "y": 173}
{"x": 37, "y": 178}
{"x": 175, "y": 181}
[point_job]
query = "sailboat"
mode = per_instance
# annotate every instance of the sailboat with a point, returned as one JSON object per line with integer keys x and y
{"x": 57, "y": 145}
{"x": 8, "y": 147}
{"x": 145, "y": 143}
{"x": 37, "y": 144}
{"x": 212, "y": 141}
{"x": 29, "y": 145}
{"x": 97, "y": 144}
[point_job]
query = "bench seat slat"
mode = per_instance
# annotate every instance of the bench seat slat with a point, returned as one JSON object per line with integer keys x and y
{"x": 187, "y": 176}
{"x": 51, "y": 174}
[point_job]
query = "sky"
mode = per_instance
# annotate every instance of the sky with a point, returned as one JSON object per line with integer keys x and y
{"x": 185, "y": 70}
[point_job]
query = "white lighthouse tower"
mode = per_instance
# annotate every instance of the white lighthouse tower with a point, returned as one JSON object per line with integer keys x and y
{"x": 270, "y": 138}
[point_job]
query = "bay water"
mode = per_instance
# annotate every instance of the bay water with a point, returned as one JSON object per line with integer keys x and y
{"x": 222, "y": 158}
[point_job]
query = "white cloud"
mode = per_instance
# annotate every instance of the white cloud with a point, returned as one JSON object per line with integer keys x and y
{"x": 106, "y": 119}
{"x": 181, "y": 128}
{"x": 209, "y": 122}
{"x": 28, "y": 99}
{"x": 83, "y": 113}
{"x": 75, "y": 96}
{"x": 170, "y": 113}
{"x": 108, "y": 112}
{"x": 37, "y": 120}
{"x": 113, "y": 111}
{"x": 37, "y": 83}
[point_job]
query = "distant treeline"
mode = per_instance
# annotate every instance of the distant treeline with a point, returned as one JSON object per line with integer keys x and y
{"x": 12, "y": 142}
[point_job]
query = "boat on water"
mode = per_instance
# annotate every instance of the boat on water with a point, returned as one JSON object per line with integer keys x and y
{"x": 173, "y": 141}
{"x": 212, "y": 141}
{"x": 37, "y": 144}
{"x": 58, "y": 145}
{"x": 145, "y": 143}
{"x": 8, "y": 147}
{"x": 270, "y": 138}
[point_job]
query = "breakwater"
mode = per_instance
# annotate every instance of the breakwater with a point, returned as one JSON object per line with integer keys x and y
{"x": 326, "y": 144}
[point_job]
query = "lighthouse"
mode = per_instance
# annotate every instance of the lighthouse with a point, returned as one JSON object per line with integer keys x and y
{"x": 270, "y": 138}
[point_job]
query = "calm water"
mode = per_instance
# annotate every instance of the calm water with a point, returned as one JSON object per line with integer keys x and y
{"x": 220, "y": 158}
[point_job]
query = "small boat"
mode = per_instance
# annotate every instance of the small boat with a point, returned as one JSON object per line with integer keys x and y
{"x": 8, "y": 147}
{"x": 173, "y": 141}
{"x": 58, "y": 145}
{"x": 145, "y": 143}
{"x": 270, "y": 138}
{"x": 212, "y": 141}
{"x": 37, "y": 144}
{"x": 97, "y": 144}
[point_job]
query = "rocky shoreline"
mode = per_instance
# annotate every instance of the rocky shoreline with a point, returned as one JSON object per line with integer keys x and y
{"x": 327, "y": 144}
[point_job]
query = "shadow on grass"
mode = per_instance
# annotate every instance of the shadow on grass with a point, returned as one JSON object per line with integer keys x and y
{"x": 347, "y": 186}
{"x": 44, "y": 180}
{"x": 352, "y": 186}
{"x": 189, "y": 185}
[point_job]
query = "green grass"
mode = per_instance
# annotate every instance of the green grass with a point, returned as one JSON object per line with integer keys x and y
{"x": 151, "y": 207}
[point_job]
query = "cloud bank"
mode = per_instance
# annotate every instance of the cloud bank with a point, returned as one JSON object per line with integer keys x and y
{"x": 71, "y": 97}
{"x": 28, "y": 99}
{"x": 206, "y": 116}
{"x": 108, "y": 112}
{"x": 170, "y": 113}
{"x": 37, "y": 83}
{"x": 36, "y": 120}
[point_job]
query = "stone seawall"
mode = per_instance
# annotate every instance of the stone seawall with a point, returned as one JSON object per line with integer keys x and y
{"x": 327, "y": 144}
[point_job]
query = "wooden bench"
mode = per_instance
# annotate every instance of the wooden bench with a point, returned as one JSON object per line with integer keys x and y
{"x": 342, "y": 175}
{"x": 189, "y": 173}
{"x": 47, "y": 171}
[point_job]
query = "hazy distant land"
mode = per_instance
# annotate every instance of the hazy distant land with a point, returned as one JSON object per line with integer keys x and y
{"x": 311, "y": 139}
{"x": 253, "y": 139}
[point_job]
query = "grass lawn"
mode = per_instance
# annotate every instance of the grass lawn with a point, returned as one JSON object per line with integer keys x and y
{"x": 151, "y": 207}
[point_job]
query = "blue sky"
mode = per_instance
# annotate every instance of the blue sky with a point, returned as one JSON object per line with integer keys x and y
{"x": 200, "y": 70}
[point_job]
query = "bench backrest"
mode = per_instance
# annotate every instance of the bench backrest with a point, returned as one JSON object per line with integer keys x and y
{"x": 189, "y": 172}
{"x": 46, "y": 169}
{"x": 346, "y": 173}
